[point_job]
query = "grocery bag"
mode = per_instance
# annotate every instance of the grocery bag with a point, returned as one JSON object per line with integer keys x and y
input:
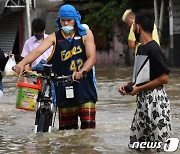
{"x": 8, "y": 68}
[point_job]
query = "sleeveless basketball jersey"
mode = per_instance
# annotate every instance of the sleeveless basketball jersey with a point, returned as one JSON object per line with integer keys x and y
{"x": 70, "y": 56}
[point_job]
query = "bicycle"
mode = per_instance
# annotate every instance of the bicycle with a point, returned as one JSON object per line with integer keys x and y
{"x": 46, "y": 109}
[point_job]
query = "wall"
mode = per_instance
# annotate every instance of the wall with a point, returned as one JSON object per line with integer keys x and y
{"x": 115, "y": 55}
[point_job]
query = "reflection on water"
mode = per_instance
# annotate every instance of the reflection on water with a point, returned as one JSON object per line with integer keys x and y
{"x": 114, "y": 115}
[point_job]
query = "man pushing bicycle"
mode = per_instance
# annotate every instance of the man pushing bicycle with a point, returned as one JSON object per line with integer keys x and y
{"x": 74, "y": 52}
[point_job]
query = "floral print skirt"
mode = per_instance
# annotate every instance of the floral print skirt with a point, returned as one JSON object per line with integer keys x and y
{"x": 151, "y": 122}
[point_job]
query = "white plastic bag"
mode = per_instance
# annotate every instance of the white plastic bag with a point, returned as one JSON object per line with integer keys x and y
{"x": 8, "y": 68}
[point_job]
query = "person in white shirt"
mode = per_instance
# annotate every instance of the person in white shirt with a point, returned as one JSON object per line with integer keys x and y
{"x": 38, "y": 28}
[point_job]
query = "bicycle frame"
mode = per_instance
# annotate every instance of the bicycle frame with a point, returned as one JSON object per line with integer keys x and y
{"x": 45, "y": 105}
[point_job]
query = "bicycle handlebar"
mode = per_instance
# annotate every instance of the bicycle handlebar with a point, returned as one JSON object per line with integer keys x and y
{"x": 52, "y": 76}
{"x": 48, "y": 74}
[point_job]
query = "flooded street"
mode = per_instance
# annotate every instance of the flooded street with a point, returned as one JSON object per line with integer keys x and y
{"x": 114, "y": 116}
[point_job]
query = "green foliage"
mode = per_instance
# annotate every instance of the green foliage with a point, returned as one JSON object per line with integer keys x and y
{"x": 105, "y": 14}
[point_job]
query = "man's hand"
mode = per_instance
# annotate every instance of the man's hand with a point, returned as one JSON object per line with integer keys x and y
{"x": 10, "y": 54}
{"x": 77, "y": 76}
{"x": 18, "y": 69}
{"x": 135, "y": 90}
{"x": 121, "y": 90}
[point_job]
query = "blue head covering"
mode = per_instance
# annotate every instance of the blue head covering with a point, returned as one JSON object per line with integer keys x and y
{"x": 68, "y": 11}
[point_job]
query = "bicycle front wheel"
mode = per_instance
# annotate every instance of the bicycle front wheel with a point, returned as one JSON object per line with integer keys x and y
{"x": 43, "y": 123}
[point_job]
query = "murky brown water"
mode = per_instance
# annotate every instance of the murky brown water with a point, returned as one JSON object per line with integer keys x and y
{"x": 114, "y": 115}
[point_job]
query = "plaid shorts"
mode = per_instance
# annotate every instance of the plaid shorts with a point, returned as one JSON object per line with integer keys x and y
{"x": 68, "y": 117}
{"x": 151, "y": 122}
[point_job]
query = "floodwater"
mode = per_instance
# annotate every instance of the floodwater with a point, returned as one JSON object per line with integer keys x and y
{"x": 114, "y": 116}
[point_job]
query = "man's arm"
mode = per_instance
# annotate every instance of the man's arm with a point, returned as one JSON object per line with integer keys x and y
{"x": 90, "y": 53}
{"x": 3, "y": 60}
{"x": 25, "y": 52}
{"x": 131, "y": 44}
{"x": 34, "y": 54}
{"x": 131, "y": 38}
{"x": 163, "y": 79}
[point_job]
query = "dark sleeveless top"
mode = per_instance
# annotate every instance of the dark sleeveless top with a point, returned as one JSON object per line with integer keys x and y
{"x": 67, "y": 57}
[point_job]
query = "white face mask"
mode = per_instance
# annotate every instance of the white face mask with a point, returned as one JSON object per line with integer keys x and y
{"x": 67, "y": 29}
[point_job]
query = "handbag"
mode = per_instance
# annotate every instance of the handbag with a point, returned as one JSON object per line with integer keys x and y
{"x": 8, "y": 68}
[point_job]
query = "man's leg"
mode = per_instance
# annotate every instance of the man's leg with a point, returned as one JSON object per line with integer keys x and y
{"x": 151, "y": 122}
{"x": 139, "y": 130}
{"x": 87, "y": 113}
{"x": 1, "y": 91}
{"x": 1, "y": 95}
{"x": 160, "y": 117}
{"x": 68, "y": 118}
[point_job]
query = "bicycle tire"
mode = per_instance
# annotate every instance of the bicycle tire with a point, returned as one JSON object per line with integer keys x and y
{"x": 43, "y": 122}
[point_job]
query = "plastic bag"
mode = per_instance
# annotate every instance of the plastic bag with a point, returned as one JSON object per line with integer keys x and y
{"x": 8, "y": 68}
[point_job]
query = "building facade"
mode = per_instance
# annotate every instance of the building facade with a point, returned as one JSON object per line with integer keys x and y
{"x": 16, "y": 17}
